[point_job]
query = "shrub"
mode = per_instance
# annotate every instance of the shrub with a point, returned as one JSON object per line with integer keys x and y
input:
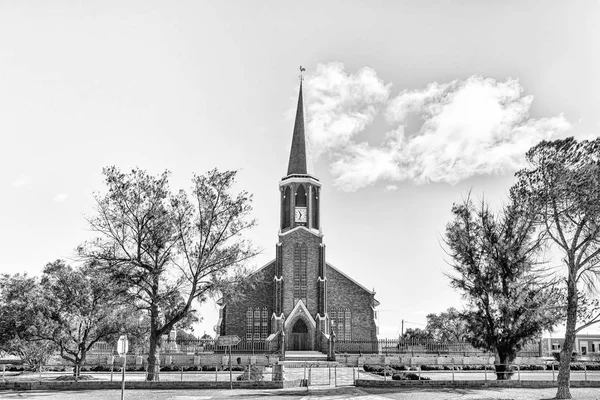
{"x": 408, "y": 376}
{"x": 556, "y": 355}
{"x": 256, "y": 373}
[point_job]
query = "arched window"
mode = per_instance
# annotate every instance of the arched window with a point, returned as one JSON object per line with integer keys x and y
{"x": 301, "y": 196}
{"x": 300, "y": 279}
{"x": 315, "y": 208}
{"x": 286, "y": 206}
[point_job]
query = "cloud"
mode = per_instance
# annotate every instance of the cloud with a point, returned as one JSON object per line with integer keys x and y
{"x": 61, "y": 197}
{"x": 468, "y": 127}
{"x": 340, "y": 105}
{"x": 390, "y": 188}
{"x": 21, "y": 180}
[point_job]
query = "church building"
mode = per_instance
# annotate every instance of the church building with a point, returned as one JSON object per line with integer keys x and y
{"x": 299, "y": 293}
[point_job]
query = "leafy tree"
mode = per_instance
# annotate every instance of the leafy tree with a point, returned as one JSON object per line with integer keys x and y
{"x": 447, "y": 326}
{"x": 69, "y": 309}
{"x": 183, "y": 336}
{"x": 417, "y": 334}
{"x": 21, "y": 306}
{"x": 562, "y": 183}
{"x": 82, "y": 306}
{"x": 494, "y": 260}
{"x": 170, "y": 250}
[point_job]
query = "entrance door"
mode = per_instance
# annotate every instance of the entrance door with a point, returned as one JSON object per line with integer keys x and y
{"x": 299, "y": 336}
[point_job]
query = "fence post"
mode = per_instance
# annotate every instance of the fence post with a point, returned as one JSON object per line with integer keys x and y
{"x": 3, "y": 369}
{"x": 552, "y": 372}
{"x": 485, "y": 372}
{"x": 182, "y": 373}
{"x": 518, "y": 372}
{"x": 335, "y": 375}
{"x": 329, "y": 368}
{"x": 309, "y": 374}
{"x": 216, "y": 373}
{"x": 304, "y": 372}
{"x": 419, "y": 372}
{"x": 111, "y": 372}
{"x": 585, "y": 372}
{"x": 452, "y": 372}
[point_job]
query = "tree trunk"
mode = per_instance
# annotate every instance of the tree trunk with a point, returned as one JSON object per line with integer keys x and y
{"x": 77, "y": 368}
{"x": 564, "y": 369}
{"x": 154, "y": 358}
{"x": 502, "y": 364}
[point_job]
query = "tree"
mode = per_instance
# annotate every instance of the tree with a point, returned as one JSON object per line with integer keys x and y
{"x": 447, "y": 326}
{"x": 183, "y": 337}
{"x": 169, "y": 250}
{"x": 68, "y": 309}
{"x": 494, "y": 260}
{"x": 21, "y": 305}
{"x": 82, "y": 306}
{"x": 417, "y": 334}
{"x": 562, "y": 183}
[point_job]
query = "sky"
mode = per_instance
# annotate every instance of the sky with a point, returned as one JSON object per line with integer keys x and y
{"x": 410, "y": 105}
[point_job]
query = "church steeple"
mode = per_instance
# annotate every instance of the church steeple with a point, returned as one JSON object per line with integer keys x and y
{"x": 299, "y": 189}
{"x": 298, "y": 156}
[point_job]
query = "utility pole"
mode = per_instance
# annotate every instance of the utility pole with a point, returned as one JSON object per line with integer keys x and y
{"x": 402, "y": 329}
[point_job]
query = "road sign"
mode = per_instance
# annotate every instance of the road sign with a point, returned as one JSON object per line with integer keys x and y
{"x": 230, "y": 340}
{"x": 122, "y": 345}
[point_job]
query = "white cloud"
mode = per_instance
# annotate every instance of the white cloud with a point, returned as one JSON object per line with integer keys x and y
{"x": 61, "y": 197}
{"x": 21, "y": 180}
{"x": 340, "y": 105}
{"x": 469, "y": 127}
{"x": 390, "y": 188}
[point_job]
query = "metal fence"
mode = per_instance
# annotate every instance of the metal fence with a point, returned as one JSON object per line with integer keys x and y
{"x": 312, "y": 374}
{"x": 198, "y": 346}
{"x": 419, "y": 347}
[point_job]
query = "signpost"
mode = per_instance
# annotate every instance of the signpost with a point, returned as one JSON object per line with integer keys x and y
{"x": 122, "y": 348}
{"x": 231, "y": 340}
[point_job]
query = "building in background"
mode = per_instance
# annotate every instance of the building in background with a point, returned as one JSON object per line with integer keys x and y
{"x": 585, "y": 344}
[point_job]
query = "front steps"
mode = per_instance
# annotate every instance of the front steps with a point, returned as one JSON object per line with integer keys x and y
{"x": 292, "y": 357}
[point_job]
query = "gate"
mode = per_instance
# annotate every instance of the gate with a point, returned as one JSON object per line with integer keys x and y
{"x": 327, "y": 375}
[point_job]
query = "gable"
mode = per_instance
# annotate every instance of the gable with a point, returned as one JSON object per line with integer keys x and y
{"x": 350, "y": 279}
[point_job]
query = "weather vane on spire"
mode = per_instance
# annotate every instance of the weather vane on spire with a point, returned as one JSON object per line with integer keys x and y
{"x": 302, "y": 69}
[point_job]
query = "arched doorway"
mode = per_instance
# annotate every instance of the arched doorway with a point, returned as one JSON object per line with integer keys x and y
{"x": 299, "y": 336}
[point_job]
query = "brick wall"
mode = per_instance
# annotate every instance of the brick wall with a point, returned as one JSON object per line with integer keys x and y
{"x": 344, "y": 293}
{"x": 259, "y": 294}
{"x": 288, "y": 242}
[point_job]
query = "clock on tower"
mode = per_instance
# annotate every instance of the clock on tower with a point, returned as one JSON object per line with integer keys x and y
{"x": 300, "y": 214}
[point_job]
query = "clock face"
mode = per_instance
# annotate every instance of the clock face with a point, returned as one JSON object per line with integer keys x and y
{"x": 300, "y": 214}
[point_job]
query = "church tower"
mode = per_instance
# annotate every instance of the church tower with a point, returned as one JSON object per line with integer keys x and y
{"x": 300, "y": 301}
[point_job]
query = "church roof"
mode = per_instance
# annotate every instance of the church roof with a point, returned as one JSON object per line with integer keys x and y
{"x": 298, "y": 164}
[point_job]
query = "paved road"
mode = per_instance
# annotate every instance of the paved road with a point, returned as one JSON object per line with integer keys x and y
{"x": 324, "y": 393}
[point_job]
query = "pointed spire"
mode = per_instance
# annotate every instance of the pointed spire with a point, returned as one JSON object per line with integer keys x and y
{"x": 298, "y": 156}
